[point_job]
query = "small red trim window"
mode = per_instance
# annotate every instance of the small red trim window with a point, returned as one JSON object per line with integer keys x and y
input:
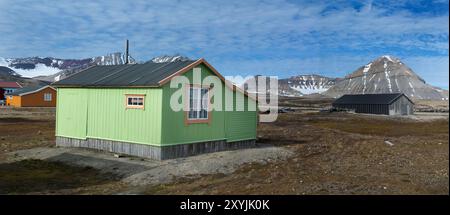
{"x": 135, "y": 101}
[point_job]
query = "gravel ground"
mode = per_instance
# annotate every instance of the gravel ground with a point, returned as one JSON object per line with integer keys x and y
{"x": 138, "y": 172}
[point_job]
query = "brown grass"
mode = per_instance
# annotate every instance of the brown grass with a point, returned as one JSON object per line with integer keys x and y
{"x": 43, "y": 176}
{"x": 383, "y": 127}
{"x": 23, "y": 133}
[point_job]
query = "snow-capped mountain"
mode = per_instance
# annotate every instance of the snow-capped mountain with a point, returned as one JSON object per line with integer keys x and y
{"x": 387, "y": 74}
{"x": 305, "y": 85}
{"x": 169, "y": 58}
{"x": 298, "y": 85}
{"x": 52, "y": 69}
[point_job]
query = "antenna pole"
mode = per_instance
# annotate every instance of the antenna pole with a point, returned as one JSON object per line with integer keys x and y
{"x": 126, "y": 53}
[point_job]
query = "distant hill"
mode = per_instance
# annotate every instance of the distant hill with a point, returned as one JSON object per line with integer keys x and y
{"x": 5, "y": 75}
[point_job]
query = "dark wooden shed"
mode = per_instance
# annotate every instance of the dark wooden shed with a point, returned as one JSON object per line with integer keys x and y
{"x": 387, "y": 104}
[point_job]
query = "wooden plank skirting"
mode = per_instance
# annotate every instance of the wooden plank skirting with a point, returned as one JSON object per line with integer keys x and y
{"x": 155, "y": 152}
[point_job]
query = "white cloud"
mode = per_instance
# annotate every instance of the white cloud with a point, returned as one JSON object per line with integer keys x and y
{"x": 250, "y": 33}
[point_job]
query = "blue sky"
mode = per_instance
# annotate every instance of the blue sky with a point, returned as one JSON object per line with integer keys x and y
{"x": 277, "y": 37}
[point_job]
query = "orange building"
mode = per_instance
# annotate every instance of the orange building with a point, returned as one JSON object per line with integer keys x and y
{"x": 41, "y": 96}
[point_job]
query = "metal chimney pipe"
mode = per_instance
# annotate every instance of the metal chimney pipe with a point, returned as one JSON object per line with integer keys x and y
{"x": 126, "y": 53}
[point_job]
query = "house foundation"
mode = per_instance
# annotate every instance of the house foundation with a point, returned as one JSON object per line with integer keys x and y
{"x": 155, "y": 152}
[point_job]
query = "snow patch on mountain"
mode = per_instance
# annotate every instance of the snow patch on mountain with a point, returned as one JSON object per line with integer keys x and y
{"x": 366, "y": 69}
{"x": 305, "y": 85}
{"x": 169, "y": 58}
{"x": 307, "y": 90}
{"x": 388, "y": 58}
{"x": 40, "y": 69}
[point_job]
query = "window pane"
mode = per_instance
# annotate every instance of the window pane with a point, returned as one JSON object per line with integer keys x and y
{"x": 47, "y": 96}
{"x": 205, "y": 99}
{"x": 195, "y": 99}
{"x": 137, "y": 101}
{"x": 202, "y": 114}
{"x": 198, "y": 103}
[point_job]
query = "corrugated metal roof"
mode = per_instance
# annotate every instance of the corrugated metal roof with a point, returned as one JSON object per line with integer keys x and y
{"x": 369, "y": 98}
{"x": 147, "y": 74}
{"x": 25, "y": 90}
{"x": 7, "y": 84}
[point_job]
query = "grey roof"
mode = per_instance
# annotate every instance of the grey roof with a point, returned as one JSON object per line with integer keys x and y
{"x": 25, "y": 90}
{"x": 387, "y": 98}
{"x": 146, "y": 74}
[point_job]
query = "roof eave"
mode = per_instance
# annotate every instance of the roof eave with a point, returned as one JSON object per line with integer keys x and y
{"x": 34, "y": 91}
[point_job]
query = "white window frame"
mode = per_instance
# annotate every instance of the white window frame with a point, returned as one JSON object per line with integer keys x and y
{"x": 135, "y": 101}
{"x": 48, "y": 97}
{"x": 198, "y": 106}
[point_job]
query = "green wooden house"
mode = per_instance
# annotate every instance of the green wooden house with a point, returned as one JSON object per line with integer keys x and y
{"x": 126, "y": 109}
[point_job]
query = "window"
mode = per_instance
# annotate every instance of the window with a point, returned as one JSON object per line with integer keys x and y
{"x": 198, "y": 103}
{"x": 135, "y": 101}
{"x": 47, "y": 97}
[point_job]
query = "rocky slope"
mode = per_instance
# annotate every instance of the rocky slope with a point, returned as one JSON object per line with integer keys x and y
{"x": 387, "y": 74}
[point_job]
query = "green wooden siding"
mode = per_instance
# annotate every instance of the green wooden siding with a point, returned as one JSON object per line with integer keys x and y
{"x": 71, "y": 113}
{"x": 241, "y": 125}
{"x": 102, "y": 114}
{"x": 108, "y": 118}
{"x": 231, "y": 126}
{"x": 174, "y": 130}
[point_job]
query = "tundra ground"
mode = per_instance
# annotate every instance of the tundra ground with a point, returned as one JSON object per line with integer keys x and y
{"x": 332, "y": 153}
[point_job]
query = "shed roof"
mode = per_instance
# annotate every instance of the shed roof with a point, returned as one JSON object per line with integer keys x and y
{"x": 386, "y": 98}
{"x": 27, "y": 90}
{"x": 146, "y": 74}
{"x": 9, "y": 84}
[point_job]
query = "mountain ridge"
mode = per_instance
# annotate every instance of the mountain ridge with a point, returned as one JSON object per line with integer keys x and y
{"x": 386, "y": 74}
